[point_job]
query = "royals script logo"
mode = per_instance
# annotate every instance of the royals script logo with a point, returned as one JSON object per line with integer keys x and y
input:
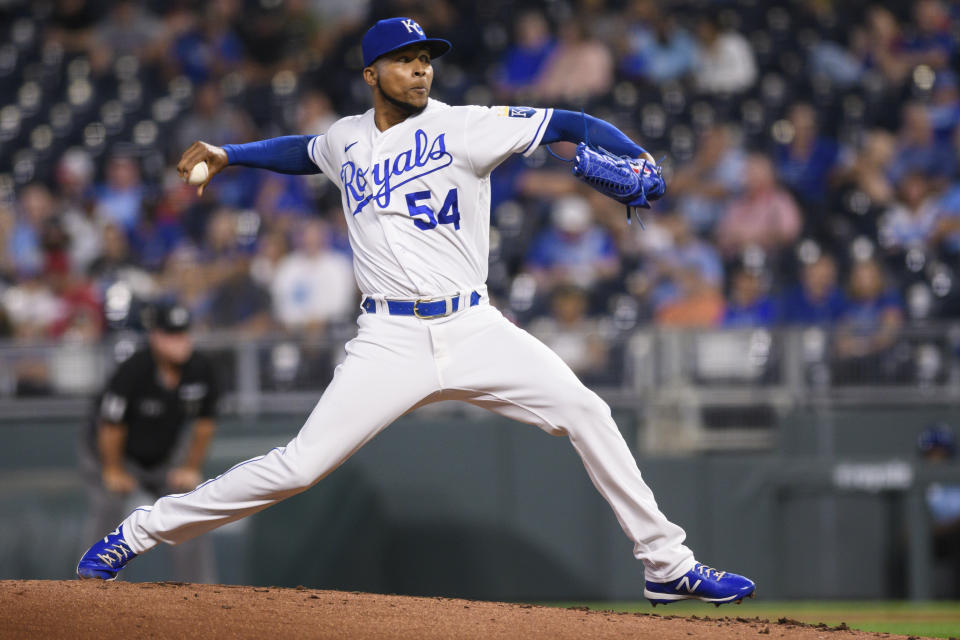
{"x": 383, "y": 178}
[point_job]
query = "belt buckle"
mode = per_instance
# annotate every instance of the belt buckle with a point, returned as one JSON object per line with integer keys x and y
{"x": 416, "y": 313}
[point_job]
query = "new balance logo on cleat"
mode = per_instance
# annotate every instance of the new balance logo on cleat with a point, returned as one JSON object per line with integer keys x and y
{"x": 685, "y": 584}
{"x": 701, "y": 583}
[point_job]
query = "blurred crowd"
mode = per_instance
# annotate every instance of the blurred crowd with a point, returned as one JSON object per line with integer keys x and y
{"x": 812, "y": 155}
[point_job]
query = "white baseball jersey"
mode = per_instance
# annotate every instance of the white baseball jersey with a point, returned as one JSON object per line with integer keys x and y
{"x": 417, "y": 196}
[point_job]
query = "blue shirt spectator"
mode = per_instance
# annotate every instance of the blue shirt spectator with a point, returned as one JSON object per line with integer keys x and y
{"x": 873, "y": 316}
{"x": 573, "y": 250}
{"x": 522, "y": 63}
{"x": 283, "y": 195}
{"x": 555, "y": 248}
{"x": 864, "y": 316}
{"x": 798, "y": 307}
{"x": 918, "y": 149}
{"x": 660, "y": 52}
{"x": 805, "y": 162}
{"x": 749, "y": 305}
{"x": 208, "y": 52}
{"x": 759, "y": 313}
{"x": 932, "y": 42}
{"x": 938, "y": 45}
{"x": 806, "y": 173}
{"x": 944, "y": 107}
{"x": 934, "y": 159}
{"x": 23, "y": 246}
{"x": 153, "y": 240}
{"x": 817, "y": 298}
{"x": 24, "y": 242}
{"x": 120, "y": 198}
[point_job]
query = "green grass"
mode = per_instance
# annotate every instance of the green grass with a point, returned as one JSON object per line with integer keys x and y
{"x": 931, "y": 619}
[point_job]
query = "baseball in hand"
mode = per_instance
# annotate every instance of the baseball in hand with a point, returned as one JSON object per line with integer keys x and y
{"x": 199, "y": 174}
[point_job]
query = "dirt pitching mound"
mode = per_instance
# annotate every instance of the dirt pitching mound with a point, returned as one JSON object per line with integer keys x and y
{"x": 94, "y": 609}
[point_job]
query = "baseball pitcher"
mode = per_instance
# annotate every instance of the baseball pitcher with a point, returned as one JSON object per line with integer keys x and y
{"x": 414, "y": 175}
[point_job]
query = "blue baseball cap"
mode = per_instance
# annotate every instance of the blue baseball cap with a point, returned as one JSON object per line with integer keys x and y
{"x": 397, "y": 33}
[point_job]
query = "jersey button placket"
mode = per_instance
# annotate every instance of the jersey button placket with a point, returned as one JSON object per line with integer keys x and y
{"x": 384, "y": 221}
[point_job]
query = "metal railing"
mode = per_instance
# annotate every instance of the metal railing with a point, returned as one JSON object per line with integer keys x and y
{"x": 726, "y": 385}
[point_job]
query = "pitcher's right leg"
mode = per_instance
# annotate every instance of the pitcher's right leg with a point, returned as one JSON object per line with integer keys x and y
{"x": 388, "y": 369}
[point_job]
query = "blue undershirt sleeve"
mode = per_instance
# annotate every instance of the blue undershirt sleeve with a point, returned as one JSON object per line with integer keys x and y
{"x": 287, "y": 154}
{"x": 571, "y": 126}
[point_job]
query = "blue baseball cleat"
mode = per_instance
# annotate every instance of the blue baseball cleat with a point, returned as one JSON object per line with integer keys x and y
{"x": 106, "y": 557}
{"x": 701, "y": 583}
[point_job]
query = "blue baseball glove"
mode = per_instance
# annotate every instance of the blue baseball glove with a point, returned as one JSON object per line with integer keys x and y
{"x": 633, "y": 181}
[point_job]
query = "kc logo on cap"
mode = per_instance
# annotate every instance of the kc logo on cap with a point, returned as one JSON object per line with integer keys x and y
{"x": 413, "y": 27}
{"x": 397, "y": 33}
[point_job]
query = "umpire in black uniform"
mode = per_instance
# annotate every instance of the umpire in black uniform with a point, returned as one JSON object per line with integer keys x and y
{"x": 138, "y": 438}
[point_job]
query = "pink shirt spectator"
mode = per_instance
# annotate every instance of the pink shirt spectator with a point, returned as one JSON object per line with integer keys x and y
{"x": 579, "y": 68}
{"x": 765, "y": 215}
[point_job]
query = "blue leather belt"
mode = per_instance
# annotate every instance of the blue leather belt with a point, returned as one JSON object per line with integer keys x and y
{"x": 423, "y": 308}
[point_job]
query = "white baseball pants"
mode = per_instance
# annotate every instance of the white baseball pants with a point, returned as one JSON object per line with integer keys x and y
{"x": 398, "y": 363}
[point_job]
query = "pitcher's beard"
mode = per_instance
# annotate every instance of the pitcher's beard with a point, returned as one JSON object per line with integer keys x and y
{"x": 407, "y": 108}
